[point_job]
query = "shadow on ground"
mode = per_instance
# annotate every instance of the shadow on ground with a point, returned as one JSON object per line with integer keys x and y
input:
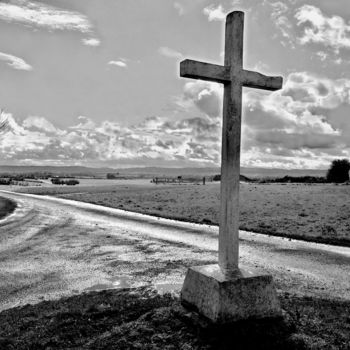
{"x": 7, "y": 207}
{"x": 140, "y": 318}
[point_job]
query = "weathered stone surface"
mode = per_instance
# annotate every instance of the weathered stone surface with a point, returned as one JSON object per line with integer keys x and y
{"x": 221, "y": 292}
{"x": 234, "y": 77}
{"x": 223, "y": 300}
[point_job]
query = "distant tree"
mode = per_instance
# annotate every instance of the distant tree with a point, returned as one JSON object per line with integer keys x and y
{"x": 4, "y": 181}
{"x": 57, "y": 181}
{"x": 112, "y": 176}
{"x": 217, "y": 177}
{"x": 241, "y": 178}
{"x": 338, "y": 171}
{"x": 71, "y": 182}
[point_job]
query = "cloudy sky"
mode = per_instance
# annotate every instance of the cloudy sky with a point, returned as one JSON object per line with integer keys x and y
{"x": 96, "y": 83}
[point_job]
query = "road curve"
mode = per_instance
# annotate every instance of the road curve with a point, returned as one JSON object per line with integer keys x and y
{"x": 52, "y": 247}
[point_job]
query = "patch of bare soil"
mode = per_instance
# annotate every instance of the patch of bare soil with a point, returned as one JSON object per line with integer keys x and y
{"x": 7, "y": 207}
{"x": 142, "y": 319}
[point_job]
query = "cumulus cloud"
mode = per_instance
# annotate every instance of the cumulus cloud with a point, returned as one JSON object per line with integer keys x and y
{"x": 120, "y": 63}
{"x": 180, "y": 9}
{"x": 278, "y": 8}
{"x": 91, "y": 42}
{"x": 168, "y": 52}
{"x": 190, "y": 141}
{"x": 318, "y": 28}
{"x": 214, "y": 13}
{"x": 285, "y": 27}
{"x": 279, "y": 13}
{"x": 15, "y": 62}
{"x": 35, "y": 123}
{"x": 322, "y": 55}
{"x": 205, "y": 96}
{"x": 308, "y": 25}
{"x": 38, "y": 14}
{"x": 303, "y": 125}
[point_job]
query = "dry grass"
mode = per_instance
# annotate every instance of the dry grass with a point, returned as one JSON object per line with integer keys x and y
{"x": 316, "y": 212}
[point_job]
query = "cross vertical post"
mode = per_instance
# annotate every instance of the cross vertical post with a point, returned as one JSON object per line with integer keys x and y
{"x": 213, "y": 288}
{"x": 231, "y": 144}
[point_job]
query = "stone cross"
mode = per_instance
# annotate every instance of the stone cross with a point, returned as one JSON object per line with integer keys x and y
{"x": 234, "y": 77}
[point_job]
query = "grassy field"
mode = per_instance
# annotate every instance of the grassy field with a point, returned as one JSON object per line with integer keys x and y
{"x": 312, "y": 212}
{"x": 6, "y": 207}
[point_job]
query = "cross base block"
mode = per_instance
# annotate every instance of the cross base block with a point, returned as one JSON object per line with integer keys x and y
{"x": 224, "y": 300}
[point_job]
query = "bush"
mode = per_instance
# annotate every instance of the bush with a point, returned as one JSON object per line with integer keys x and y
{"x": 217, "y": 177}
{"x": 70, "y": 182}
{"x": 112, "y": 176}
{"x": 5, "y": 181}
{"x": 241, "y": 178}
{"x": 57, "y": 181}
{"x": 338, "y": 171}
{"x": 300, "y": 179}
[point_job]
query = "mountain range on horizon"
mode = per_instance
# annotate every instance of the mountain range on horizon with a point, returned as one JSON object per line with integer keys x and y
{"x": 154, "y": 171}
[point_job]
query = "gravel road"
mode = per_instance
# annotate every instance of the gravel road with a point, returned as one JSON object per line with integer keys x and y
{"x": 51, "y": 247}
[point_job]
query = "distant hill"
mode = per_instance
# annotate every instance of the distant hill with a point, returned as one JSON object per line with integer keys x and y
{"x": 154, "y": 171}
{"x": 266, "y": 172}
{"x": 248, "y": 172}
{"x": 55, "y": 170}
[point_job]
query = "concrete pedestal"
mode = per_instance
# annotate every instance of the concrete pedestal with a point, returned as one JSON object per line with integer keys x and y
{"x": 225, "y": 300}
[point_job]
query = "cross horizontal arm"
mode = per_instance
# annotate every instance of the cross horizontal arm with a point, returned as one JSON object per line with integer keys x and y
{"x": 204, "y": 71}
{"x": 259, "y": 81}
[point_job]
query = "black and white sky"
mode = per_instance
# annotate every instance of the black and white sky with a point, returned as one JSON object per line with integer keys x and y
{"x": 91, "y": 82}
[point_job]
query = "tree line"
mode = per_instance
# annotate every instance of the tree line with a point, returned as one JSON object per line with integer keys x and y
{"x": 338, "y": 172}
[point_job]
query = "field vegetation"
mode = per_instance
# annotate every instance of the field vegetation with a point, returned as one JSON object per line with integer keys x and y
{"x": 316, "y": 212}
